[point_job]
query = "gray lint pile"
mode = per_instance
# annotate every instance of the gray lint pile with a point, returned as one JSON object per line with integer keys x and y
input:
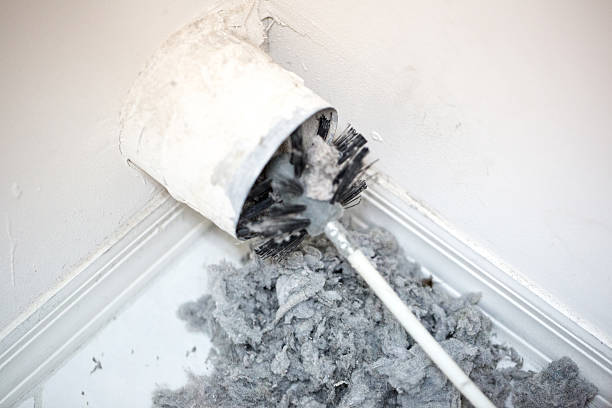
{"x": 307, "y": 332}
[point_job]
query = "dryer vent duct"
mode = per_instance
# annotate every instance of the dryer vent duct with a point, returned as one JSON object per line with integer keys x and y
{"x": 208, "y": 112}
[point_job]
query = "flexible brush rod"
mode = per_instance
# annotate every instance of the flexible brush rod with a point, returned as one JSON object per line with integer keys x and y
{"x": 339, "y": 237}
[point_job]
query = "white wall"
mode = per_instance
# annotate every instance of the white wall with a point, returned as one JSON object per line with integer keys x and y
{"x": 64, "y": 188}
{"x": 498, "y": 115}
{"x": 495, "y": 114}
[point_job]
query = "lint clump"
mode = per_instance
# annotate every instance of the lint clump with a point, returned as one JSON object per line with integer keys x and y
{"x": 305, "y": 331}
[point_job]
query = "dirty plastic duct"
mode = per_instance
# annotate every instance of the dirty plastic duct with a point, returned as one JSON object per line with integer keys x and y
{"x": 207, "y": 114}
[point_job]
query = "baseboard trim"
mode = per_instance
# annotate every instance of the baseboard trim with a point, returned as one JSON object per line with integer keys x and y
{"x": 537, "y": 330}
{"x": 84, "y": 304}
{"x": 520, "y": 317}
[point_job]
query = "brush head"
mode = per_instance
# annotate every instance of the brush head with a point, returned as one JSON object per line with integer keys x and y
{"x": 302, "y": 188}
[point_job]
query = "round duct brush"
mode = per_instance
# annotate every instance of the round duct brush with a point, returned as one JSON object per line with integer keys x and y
{"x": 303, "y": 190}
{"x": 244, "y": 142}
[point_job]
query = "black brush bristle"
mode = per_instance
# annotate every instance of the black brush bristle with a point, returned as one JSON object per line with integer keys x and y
{"x": 294, "y": 242}
{"x": 352, "y": 195}
{"x": 273, "y": 226}
{"x": 277, "y": 248}
{"x": 260, "y": 190}
{"x": 348, "y": 174}
{"x": 348, "y": 143}
{"x": 243, "y": 232}
{"x": 285, "y": 186}
{"x": 286, "y": 209}
{"x": 298, "y": 155}
{"x": 324, "y": 124}
{"x": 256, "y": 209}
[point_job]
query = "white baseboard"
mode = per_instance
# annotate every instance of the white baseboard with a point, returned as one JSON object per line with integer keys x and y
{"x": 521, "y": 318}
{"x": 39, "y": 344}
{"x": 539, "y": 332}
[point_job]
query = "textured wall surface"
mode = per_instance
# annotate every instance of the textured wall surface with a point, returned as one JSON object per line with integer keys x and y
{"x": 64, "y": 188}
{"x": 495, "y": 115}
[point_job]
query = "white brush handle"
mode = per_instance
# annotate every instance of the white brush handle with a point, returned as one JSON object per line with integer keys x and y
{"x": 337, "y": 234}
